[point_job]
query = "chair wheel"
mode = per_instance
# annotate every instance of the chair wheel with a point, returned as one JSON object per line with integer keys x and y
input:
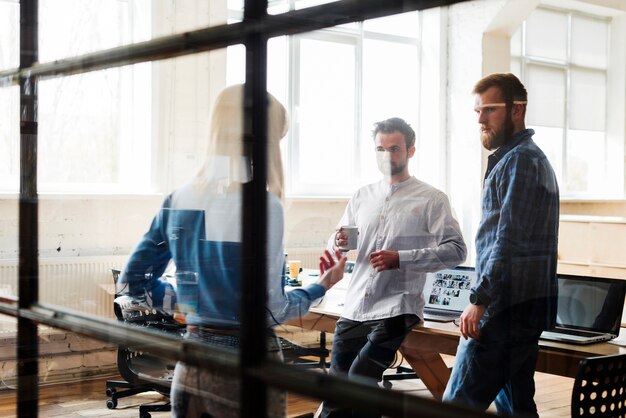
{"x": 387, "y": 384}
{"x": 111, "y": 403}
{"x": 145, "y": 415}
{"x": 110, "y": 392}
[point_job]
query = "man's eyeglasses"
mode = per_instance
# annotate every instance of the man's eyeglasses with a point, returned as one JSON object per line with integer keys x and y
{"x": 488, "y": 105}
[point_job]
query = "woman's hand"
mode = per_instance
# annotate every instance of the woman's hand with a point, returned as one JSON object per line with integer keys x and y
{"x": 331, "y": 271}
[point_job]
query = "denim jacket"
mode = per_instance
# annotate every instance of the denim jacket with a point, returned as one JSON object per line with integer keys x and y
{"x": 201, "y": 233}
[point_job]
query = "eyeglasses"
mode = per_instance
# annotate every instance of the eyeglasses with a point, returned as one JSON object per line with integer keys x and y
{"x": 490, "y": 105}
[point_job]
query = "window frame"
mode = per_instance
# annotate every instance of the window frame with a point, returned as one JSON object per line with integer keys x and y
{"x": 523, "y": 60}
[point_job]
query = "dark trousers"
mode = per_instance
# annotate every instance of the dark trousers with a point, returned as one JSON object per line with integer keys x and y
{"x": 363, "y": 351}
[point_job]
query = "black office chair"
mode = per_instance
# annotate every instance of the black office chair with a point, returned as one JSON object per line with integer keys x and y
{"x": 142, "y": 372}
{"x": 301, "y": 356}
{"x": 600, "y": 387}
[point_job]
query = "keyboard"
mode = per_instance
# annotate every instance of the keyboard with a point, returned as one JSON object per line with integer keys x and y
{"x": 234, "y": 341}
{"x": 577, "y": 332}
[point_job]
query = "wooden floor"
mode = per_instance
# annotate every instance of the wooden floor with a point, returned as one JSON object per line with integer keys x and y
{"x": 88, "y": 399}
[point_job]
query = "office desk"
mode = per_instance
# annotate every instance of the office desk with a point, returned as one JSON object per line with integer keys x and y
{"x": 423, "y": 347}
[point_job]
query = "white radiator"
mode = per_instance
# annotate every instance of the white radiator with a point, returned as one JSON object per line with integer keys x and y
{"x": 84, "y": 284}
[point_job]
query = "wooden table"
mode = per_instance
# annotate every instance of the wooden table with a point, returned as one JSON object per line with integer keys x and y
{"x": 423, "y": 347}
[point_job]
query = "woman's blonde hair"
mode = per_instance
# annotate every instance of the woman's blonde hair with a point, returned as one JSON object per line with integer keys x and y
{"x": 226, "y": 139}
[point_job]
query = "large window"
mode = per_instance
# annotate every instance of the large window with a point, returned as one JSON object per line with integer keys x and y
{"x": 81, "y": 150}
{"x": 563, "y": 57}
{"x": 337, "y": 83}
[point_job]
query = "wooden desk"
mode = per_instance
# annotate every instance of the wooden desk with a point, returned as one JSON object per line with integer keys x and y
{"x": 423, "y": 347}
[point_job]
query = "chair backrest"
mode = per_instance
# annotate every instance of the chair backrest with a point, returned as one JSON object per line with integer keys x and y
{"x": 600, "y": 387}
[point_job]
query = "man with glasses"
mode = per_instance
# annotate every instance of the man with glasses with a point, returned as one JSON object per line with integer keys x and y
{"x": 406, "y": 229}
{"x": 514, "y": 298}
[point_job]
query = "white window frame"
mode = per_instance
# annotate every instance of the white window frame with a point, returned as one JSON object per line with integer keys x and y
{"x": 353, "y": 34}
{"x": 615, "y": 100}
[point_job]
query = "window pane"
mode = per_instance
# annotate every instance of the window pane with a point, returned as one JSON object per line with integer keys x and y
{"x": 550, "y": 140}
{"x": 589, "y": 42}
{"x": 326, "y": 112}
{"x": 587, "y": 100}
{"x": 278, "y": 68}
{"x": 586, "y": 162}
{"x": 389, "y": 91}
{"x": 73, "y": 27}
{"x": 9, "y": 35}
{"x": 94, "y": 131}
{"x": 9, "y": 139}
{"x": 546, "y": 34}
{"x": 235, "y": 65}
{"x": 546, "y": 101}
{"x": 405, "y": 24}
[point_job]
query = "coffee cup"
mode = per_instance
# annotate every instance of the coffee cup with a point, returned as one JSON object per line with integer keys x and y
{"x": 294, "y": 268}
{"x": 352, "y": 237}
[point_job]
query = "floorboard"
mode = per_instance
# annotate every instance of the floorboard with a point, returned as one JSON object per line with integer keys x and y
{"x": 88, "y": 399}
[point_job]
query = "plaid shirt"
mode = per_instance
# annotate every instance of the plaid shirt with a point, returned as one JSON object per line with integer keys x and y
{"x": 516, "y": 242}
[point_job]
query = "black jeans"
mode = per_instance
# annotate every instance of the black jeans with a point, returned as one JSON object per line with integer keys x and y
{"x": 363, "y": 351}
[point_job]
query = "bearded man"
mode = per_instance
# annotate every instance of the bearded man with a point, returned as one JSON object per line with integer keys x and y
{"x": 514, "y": 298}
{"x": 406, "y": 229}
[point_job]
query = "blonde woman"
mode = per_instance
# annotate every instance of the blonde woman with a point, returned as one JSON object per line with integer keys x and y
{"x": 199, "y": 229}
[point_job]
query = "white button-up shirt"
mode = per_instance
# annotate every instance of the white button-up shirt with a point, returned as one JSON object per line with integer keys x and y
{"x": 412, "y": 218}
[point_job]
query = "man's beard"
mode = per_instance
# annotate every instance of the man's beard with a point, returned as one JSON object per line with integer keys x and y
{"x": 390, "y": 169}
{"x": 497, "y": 136}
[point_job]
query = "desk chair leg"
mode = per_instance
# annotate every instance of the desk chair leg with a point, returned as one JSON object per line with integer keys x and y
{"x": 144, "y": 410}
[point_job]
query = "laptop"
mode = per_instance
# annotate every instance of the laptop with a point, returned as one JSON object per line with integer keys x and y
{"x": 589, "y": 309}
{"x": 446, "y": 293}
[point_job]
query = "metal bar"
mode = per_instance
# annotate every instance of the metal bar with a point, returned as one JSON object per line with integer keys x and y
{"x": 28, "y": 275}
{"x": 216, "y": 37}
{"x": 255, "y": 230}
{"x": 271, "y": 372}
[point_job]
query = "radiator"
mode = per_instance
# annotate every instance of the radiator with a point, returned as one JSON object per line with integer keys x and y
{"x": 84, "y": 284}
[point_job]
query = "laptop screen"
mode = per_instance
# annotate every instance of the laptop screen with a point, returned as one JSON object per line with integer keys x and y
{"x": 590, "y": 303}
{"x": 449, "y": 289}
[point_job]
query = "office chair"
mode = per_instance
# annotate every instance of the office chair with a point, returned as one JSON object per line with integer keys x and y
{"x": 300, "y": 356}
{"x": 142, "y": 372}
{"x": 600, "y": 387}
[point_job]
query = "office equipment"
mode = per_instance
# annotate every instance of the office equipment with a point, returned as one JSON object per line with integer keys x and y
{"x": 589, "y": 309}
{"x": 599, "y": 387}
{"x": 141, "y": 371}
{"x": 446, "y": 293}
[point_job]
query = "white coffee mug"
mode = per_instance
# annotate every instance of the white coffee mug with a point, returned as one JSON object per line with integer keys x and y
{"x": 352, "y": 234}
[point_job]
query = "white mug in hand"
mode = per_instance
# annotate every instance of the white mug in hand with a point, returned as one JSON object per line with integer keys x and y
{"x": 352, "y": 234}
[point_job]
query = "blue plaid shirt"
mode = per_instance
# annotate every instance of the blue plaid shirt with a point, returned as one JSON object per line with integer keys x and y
{"x": 516, "y": 242}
